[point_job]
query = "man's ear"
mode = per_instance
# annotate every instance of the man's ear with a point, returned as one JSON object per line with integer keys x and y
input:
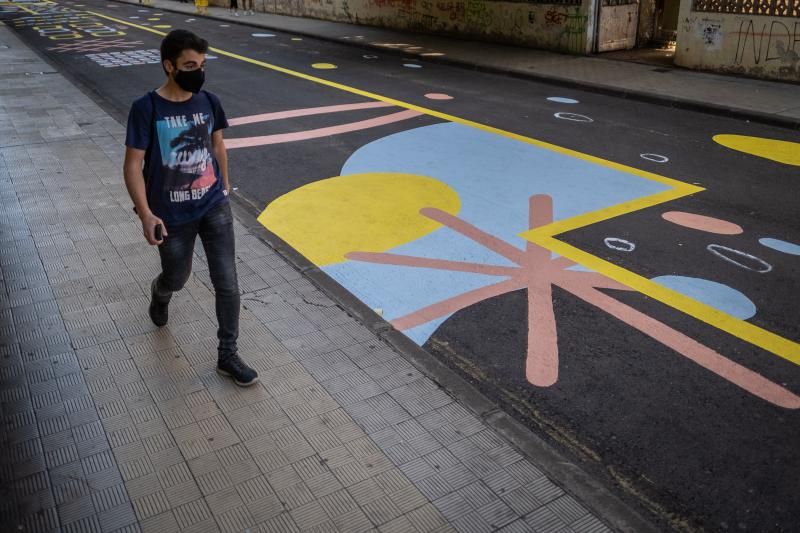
{"x": 169, "y": 68}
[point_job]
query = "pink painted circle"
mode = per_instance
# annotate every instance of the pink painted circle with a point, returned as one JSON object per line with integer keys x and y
{"x": 702, "y": 223}
{"x": 438, "y": 96}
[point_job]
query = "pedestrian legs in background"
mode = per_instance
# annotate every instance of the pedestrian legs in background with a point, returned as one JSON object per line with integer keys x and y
{"x": 247, "y": 7}
{"x": 234, "y": 8}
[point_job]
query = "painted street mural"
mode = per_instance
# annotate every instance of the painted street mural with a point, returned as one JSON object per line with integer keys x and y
{"x": 620, "y": 277}
{"x": 356, "y": 226}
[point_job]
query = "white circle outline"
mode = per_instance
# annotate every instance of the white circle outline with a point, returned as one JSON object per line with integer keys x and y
{"x": 629, "y": 248}
{"x": 714, "y": 249}
{"x": 574, "y": 117}
{"x": 655, "y": 158}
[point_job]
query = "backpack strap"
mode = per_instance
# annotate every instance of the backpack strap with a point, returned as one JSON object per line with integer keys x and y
{"x": 213, "y": 107}
{"x": 153, "y": 139}
{"x": 153, "y": 134}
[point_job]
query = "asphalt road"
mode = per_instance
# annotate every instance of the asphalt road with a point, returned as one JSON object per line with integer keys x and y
{"x": 656, "y": 402}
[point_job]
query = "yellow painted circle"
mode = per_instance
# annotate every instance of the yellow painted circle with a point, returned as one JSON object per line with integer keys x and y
{"x": 154, "y": 19}
{"x": 162, "y": 26}
{"x": 296, "y": 39}
{"x": 324, "y": 66}
{"x": 781, "y": 151}
{"x": 374, "y": 212}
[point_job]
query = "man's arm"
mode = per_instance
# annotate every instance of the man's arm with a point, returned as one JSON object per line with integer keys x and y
{"x": 134, "y": 181}
{"x": 221, "y": 155}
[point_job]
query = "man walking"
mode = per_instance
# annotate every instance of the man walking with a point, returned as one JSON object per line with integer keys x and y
{"x": 176, "y": 172}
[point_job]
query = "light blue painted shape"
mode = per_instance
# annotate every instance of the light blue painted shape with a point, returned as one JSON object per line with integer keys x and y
{"x": 422, "y": 333}
{"x": 411, "y": 65}
{"x": 781, "y": 246}
{"x": 562, "y": 100}
{"x": 401, "y": 290}
{"x": 494, "y": 176}
{"x": 262, "y": 35}
{"x": 717, "y": 295}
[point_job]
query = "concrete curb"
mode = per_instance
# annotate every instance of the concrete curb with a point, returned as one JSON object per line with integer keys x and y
{"x": 769, "y": 119}
{"x": 616, "y": 513}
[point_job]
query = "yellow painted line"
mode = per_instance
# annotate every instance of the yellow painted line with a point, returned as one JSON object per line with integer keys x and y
{"x": 746, "y": 331}
{"x": 543, "y": 236}
{"x": 586, "y": 219}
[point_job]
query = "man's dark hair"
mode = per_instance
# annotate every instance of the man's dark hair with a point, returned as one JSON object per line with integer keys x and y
{"x": 177, "y": 41}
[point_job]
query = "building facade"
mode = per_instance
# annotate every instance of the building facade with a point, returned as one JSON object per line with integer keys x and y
{"x": 758, "y": 38}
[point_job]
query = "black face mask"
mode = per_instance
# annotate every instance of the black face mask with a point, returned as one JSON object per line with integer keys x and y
{"x": 190, "y": 80}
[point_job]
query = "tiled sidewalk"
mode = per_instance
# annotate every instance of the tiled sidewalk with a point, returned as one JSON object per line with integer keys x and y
{"x": 110, "y": 424}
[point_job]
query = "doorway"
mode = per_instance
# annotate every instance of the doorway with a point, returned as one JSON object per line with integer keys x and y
{"x": 666, "y": 21}
{"x": 617, "y": 25}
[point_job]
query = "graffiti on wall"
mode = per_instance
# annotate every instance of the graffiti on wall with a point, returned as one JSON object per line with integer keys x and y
{"x": 572, "y": 25}
{"x": 454, "y": 11}
{"x": 417, "y": 19}
{"x": 759, "y": 46}
{"x": 404, "y": 4}
{"x": 554, "y": 17}
{"x": 573, "y": 35}
{"x": 711, "y": 34}
{"x": 478, "y": 14}
{"x": 763, "y": 42}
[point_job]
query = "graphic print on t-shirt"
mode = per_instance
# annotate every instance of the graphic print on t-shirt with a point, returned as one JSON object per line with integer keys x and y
{"x": 188, "y": 170}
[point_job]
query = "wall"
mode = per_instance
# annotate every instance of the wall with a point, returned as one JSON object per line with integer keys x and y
{"x": 757, "y": 46}
{"x": 550, "y": 27}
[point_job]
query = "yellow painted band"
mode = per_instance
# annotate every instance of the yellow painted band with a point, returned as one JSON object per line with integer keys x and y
{"x": 586, "y": 219}
{"x": 746, "y": 331}
{"x": 543, "y": 236}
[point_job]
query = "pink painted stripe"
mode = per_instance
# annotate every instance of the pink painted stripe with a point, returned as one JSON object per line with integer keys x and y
{"x": 703, "y": 223}
{"x": 587, "y": 279}
{"x": 481, "y": 237}
{"x": 438, "y": 264}
{"x": 540, "y": 213}
{"x": 456, "y": 303}
{"x": 541, "y": 363}
{"x": 264, "y": 117}
{"x": 737, "y": 374}
{"x": 278, "y": 138}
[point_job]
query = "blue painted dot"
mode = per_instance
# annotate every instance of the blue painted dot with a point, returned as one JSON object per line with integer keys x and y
{"x": 411, "y": 65}
{"x": 562, "y": 100}
{"x": 781, "y": 246}
{"x": 717, "y": 295}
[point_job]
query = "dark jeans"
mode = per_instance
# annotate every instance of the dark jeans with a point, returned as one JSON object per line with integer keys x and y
{"x": 216, "y": 233}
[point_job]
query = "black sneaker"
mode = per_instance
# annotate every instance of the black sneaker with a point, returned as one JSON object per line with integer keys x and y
{"x": 233, "y": 366}
{"x": 159, "y": 313}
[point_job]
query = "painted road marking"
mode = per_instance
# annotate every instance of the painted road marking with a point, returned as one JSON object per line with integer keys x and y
{"x": 544, "y": 236}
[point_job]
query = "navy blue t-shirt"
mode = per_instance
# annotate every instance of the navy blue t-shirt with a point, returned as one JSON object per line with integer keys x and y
{"x": 182, "y": 175}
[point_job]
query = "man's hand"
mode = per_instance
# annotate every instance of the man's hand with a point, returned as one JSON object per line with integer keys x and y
{"x": 149, "y": 223}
